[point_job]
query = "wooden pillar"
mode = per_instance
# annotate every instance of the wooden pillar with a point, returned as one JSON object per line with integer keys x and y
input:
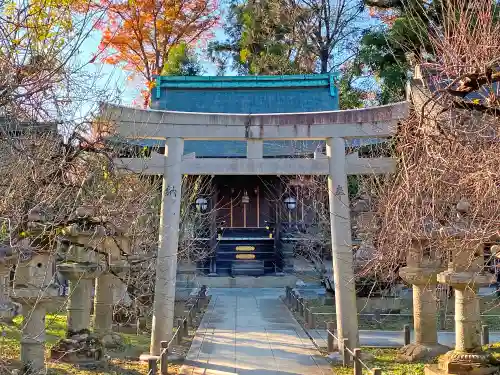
{"x": 213, "y": 225}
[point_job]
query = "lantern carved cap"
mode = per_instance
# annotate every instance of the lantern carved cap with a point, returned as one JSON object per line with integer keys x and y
{"x": 422, "y": 254}
{"x": 8, "y": 254}
{"x": 463, "y": 206}
{"x": 34, "y": 270}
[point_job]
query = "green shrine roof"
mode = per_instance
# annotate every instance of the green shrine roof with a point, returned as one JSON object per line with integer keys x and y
{"x": 235, "y": 82}
{"x": 246, "y": 94}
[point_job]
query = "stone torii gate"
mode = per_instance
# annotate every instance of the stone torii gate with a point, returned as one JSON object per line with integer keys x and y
{"x": 333, "y": 126}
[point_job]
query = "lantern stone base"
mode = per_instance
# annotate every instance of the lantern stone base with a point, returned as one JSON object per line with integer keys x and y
{"x": 8, "y": 311}
{"x": 171, "y": 357}
{"x": 416, "y": 352}
{"x": 83, "y": 349}
{"x": 460, "y": 363}
{"x": 33, "y": 301}
{"x": 112, "y": 340}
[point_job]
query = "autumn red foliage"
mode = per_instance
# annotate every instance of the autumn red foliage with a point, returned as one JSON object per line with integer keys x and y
{"x": 386, "y": 16}
{"x": 138, "y": 35}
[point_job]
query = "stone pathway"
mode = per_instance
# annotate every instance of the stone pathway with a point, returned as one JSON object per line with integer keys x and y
{"x": 250, "y": 331}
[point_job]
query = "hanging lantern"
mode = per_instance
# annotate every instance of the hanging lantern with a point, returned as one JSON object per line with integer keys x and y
{"x": 245, "y": 199}
{"x": 201, "y": 204}
{"x": 290, "y": 203}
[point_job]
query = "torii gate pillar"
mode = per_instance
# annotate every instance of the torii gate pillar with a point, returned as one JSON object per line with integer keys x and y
{"x": 166, "y": 262}
{"x": 345, "y": 292}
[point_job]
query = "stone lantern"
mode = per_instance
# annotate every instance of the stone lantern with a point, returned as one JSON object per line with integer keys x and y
{"x": 364, "y": 225}
{"x": 111, "y": 250}
{"x": 34, "y": 289}
{"x": 99, "y": 255}
{"x": 422, "y": 267}
{"x": 365, "y": 229}
{"x": 7, "y": 259}
{"x": 81, "y": 266}
{"x": 465, "y": 274}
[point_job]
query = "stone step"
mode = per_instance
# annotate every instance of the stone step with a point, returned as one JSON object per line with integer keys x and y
{"x": 248, "y": 268}
{"x": 267, "y": 281}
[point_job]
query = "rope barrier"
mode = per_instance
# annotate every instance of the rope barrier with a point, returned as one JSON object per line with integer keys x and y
{"x": 182, "y": 329}
{"x": 294, "y": 301}
{"x": 347, "y": 354}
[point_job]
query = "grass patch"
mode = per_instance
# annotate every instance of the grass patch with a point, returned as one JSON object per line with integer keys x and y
{"x": 385, "y": 360}
{"x": 121, "y": 362}
{"x": 115, "y": 367}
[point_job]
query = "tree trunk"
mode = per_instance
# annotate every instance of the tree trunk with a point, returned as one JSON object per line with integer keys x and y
{"x": 324, "y": 56}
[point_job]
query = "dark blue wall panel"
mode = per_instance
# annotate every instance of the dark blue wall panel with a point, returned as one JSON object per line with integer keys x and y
{"x": 269, "y": 100}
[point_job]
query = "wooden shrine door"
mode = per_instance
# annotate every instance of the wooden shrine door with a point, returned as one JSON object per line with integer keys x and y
{"x": 242, "y": 203}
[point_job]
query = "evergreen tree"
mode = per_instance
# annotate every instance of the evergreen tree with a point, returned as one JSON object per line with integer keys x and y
{"x": 390, "y": 51}
{"x": 263, "y": 38}
{"x": 182, "y": 61}
{"x": 293, "y": 37}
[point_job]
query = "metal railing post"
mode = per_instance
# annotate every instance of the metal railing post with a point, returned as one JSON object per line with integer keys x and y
{"x": 203, "y": 293}
{"x": 358, "y": 369}
{"x": 164, "y": 358}
{"x": 179, "y": 331}
{"x": 312, "y": 320}
{"x": 330, "y": 326}
{"x": 345, "y": 353}
{"x": 442, "y": 320}
{"x": 185, "y": 327}
{"x": 189, "y": 318}
{"x": 152, "y": 366}
{"x": 306, "y": 312}
{"x": 301, "y": 306}
{"x": 406, "y": 333}
{"x": 485, "y": 335}
{"x": 297, "y": 303}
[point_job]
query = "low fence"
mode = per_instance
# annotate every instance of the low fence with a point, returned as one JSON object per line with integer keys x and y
{"x": 311, "y": 318}
{"x": 319, "y": 320}
{"x": 181, "y": 331}
{"x": 350, "y": 356}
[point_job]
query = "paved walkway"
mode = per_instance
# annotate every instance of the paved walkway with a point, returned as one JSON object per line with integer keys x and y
{"x": 251, "y": 332}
